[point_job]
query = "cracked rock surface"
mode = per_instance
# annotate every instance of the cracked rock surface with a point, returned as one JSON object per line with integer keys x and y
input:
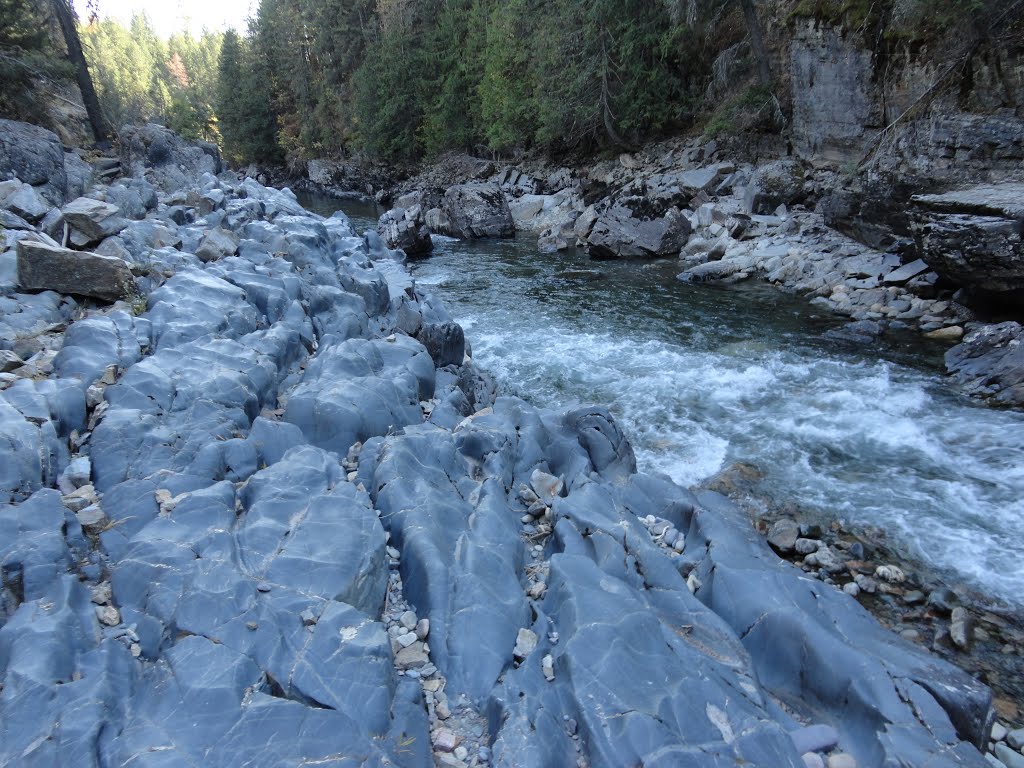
{"x": 314, "y": 538}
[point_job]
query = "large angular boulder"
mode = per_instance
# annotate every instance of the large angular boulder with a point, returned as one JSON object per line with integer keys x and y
{"x": 772, "y": 185}
{"x": 990, "y": 363}
{"x": 404, "y": 228}
{"x": 23, "y": 200}
{"x": 622, "y": 234}
{"x": 165, "y": 158}
{"x": 477, "y": 210}
{"x": 974, "y": 237}
{"x": 46, "y": 267}
{"x": 34, "y": 155}
{"x": 92, "y": 220}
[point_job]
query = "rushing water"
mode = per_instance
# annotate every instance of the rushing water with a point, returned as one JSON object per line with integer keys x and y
{"x": 704, "y": 377}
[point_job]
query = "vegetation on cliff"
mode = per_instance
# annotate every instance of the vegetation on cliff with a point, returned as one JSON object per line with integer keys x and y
{"x": 405, "y": 79}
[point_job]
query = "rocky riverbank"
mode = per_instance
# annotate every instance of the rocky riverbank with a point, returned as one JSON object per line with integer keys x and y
{"x": 265, "y": 508}
{"x": 728, "y": 221}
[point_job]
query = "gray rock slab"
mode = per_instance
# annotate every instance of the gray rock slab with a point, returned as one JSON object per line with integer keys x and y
{"x": 358, "y": 388}
{"x": 43, "y": 267}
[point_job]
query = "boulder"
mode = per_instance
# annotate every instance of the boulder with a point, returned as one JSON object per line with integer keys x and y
{"x": 45, "y": 267}
{"x": 169, "y": 161}
{"x": 23, "y": 200}
{"x": 477, "y": 210}
{"x": 92, "y": 220}
{"x": 990, "y": 363}
{"x": 620, "y": 234}
{"x": 535, "y": 213}
{"x": 772, "y": 185}
{"x": 974, "y": 237}
{"x": 35, "y": 156}
{"x": 406, "y": 229}
{"x": 217, "y": 244}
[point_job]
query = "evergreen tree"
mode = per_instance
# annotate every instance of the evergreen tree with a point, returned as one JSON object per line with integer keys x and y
{"x": 245, "y": 117}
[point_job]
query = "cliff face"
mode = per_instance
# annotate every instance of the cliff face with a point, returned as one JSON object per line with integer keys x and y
{"x": 922, "y": 112}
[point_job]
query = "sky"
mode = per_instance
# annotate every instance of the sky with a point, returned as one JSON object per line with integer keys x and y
{"x": 170, "y": 16}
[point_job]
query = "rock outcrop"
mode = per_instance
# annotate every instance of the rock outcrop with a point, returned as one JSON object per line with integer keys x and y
{"x": 990, "y": 363}
{"x": 164, "y": 158}
{"x": 406, "y": 229}
{"x": 34, "y": 156}
{"x": 974, "y": 237}
{"x": 294, "y": 523}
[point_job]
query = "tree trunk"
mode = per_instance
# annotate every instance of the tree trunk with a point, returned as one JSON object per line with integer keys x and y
{"x": 764, "y": 71}
{"x": 66, "y": 16}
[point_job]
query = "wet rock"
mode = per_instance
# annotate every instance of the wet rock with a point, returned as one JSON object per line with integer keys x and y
{"x": 44, "y": 267}
{"x": 989, "y": 363}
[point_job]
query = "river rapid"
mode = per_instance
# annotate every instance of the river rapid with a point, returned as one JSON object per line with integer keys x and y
{"x": 702, "y": 378}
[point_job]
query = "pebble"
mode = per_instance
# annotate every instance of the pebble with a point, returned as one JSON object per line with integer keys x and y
{"x": 407, "y": 639}
{"x": 813, "y": 760}
{"x": 408, "y": 620}
{"x": 461, "y": 752}
{"x": 445, "y": 740}
{"x": 915, "y": 597}
{"x": 1015, "y": 738}
{"x": 308, "y": 618}
{"x": 108, "y": 615}
{"x": 101, "y": 593}
{"x": 961, "y": 628}
{"x": 422, "y": 629}
{"x": 891, "y": 574}
{"x": 92, "y": 518}
{"x": 806, "y": 546}
{"x": 548, "y": 668}
{"x": 1010, "y": 757}
{"x": 442, "y": 711}
{"x": 999, "y": 731}
{"x": 263, "y": 587}
{"x": 852, "y": 589}
{"x": 526, "y": 642}
{"x": 413, "y": 657}
{"x": 994, "y": 761}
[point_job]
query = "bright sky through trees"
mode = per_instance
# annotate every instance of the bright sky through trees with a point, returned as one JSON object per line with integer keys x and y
{"x": 170, "y": 16}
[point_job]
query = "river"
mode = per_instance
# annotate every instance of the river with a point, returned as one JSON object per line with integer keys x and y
{"x": 704, "y": 377}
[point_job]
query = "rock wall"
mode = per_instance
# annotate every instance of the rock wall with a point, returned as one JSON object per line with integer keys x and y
{"x": 845, "y": 89}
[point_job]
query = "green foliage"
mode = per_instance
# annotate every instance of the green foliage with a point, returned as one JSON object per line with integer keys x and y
{"x": 140, "y": 77}
{"x": 26, "y": 56}
{"x": 246, "y": 118}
